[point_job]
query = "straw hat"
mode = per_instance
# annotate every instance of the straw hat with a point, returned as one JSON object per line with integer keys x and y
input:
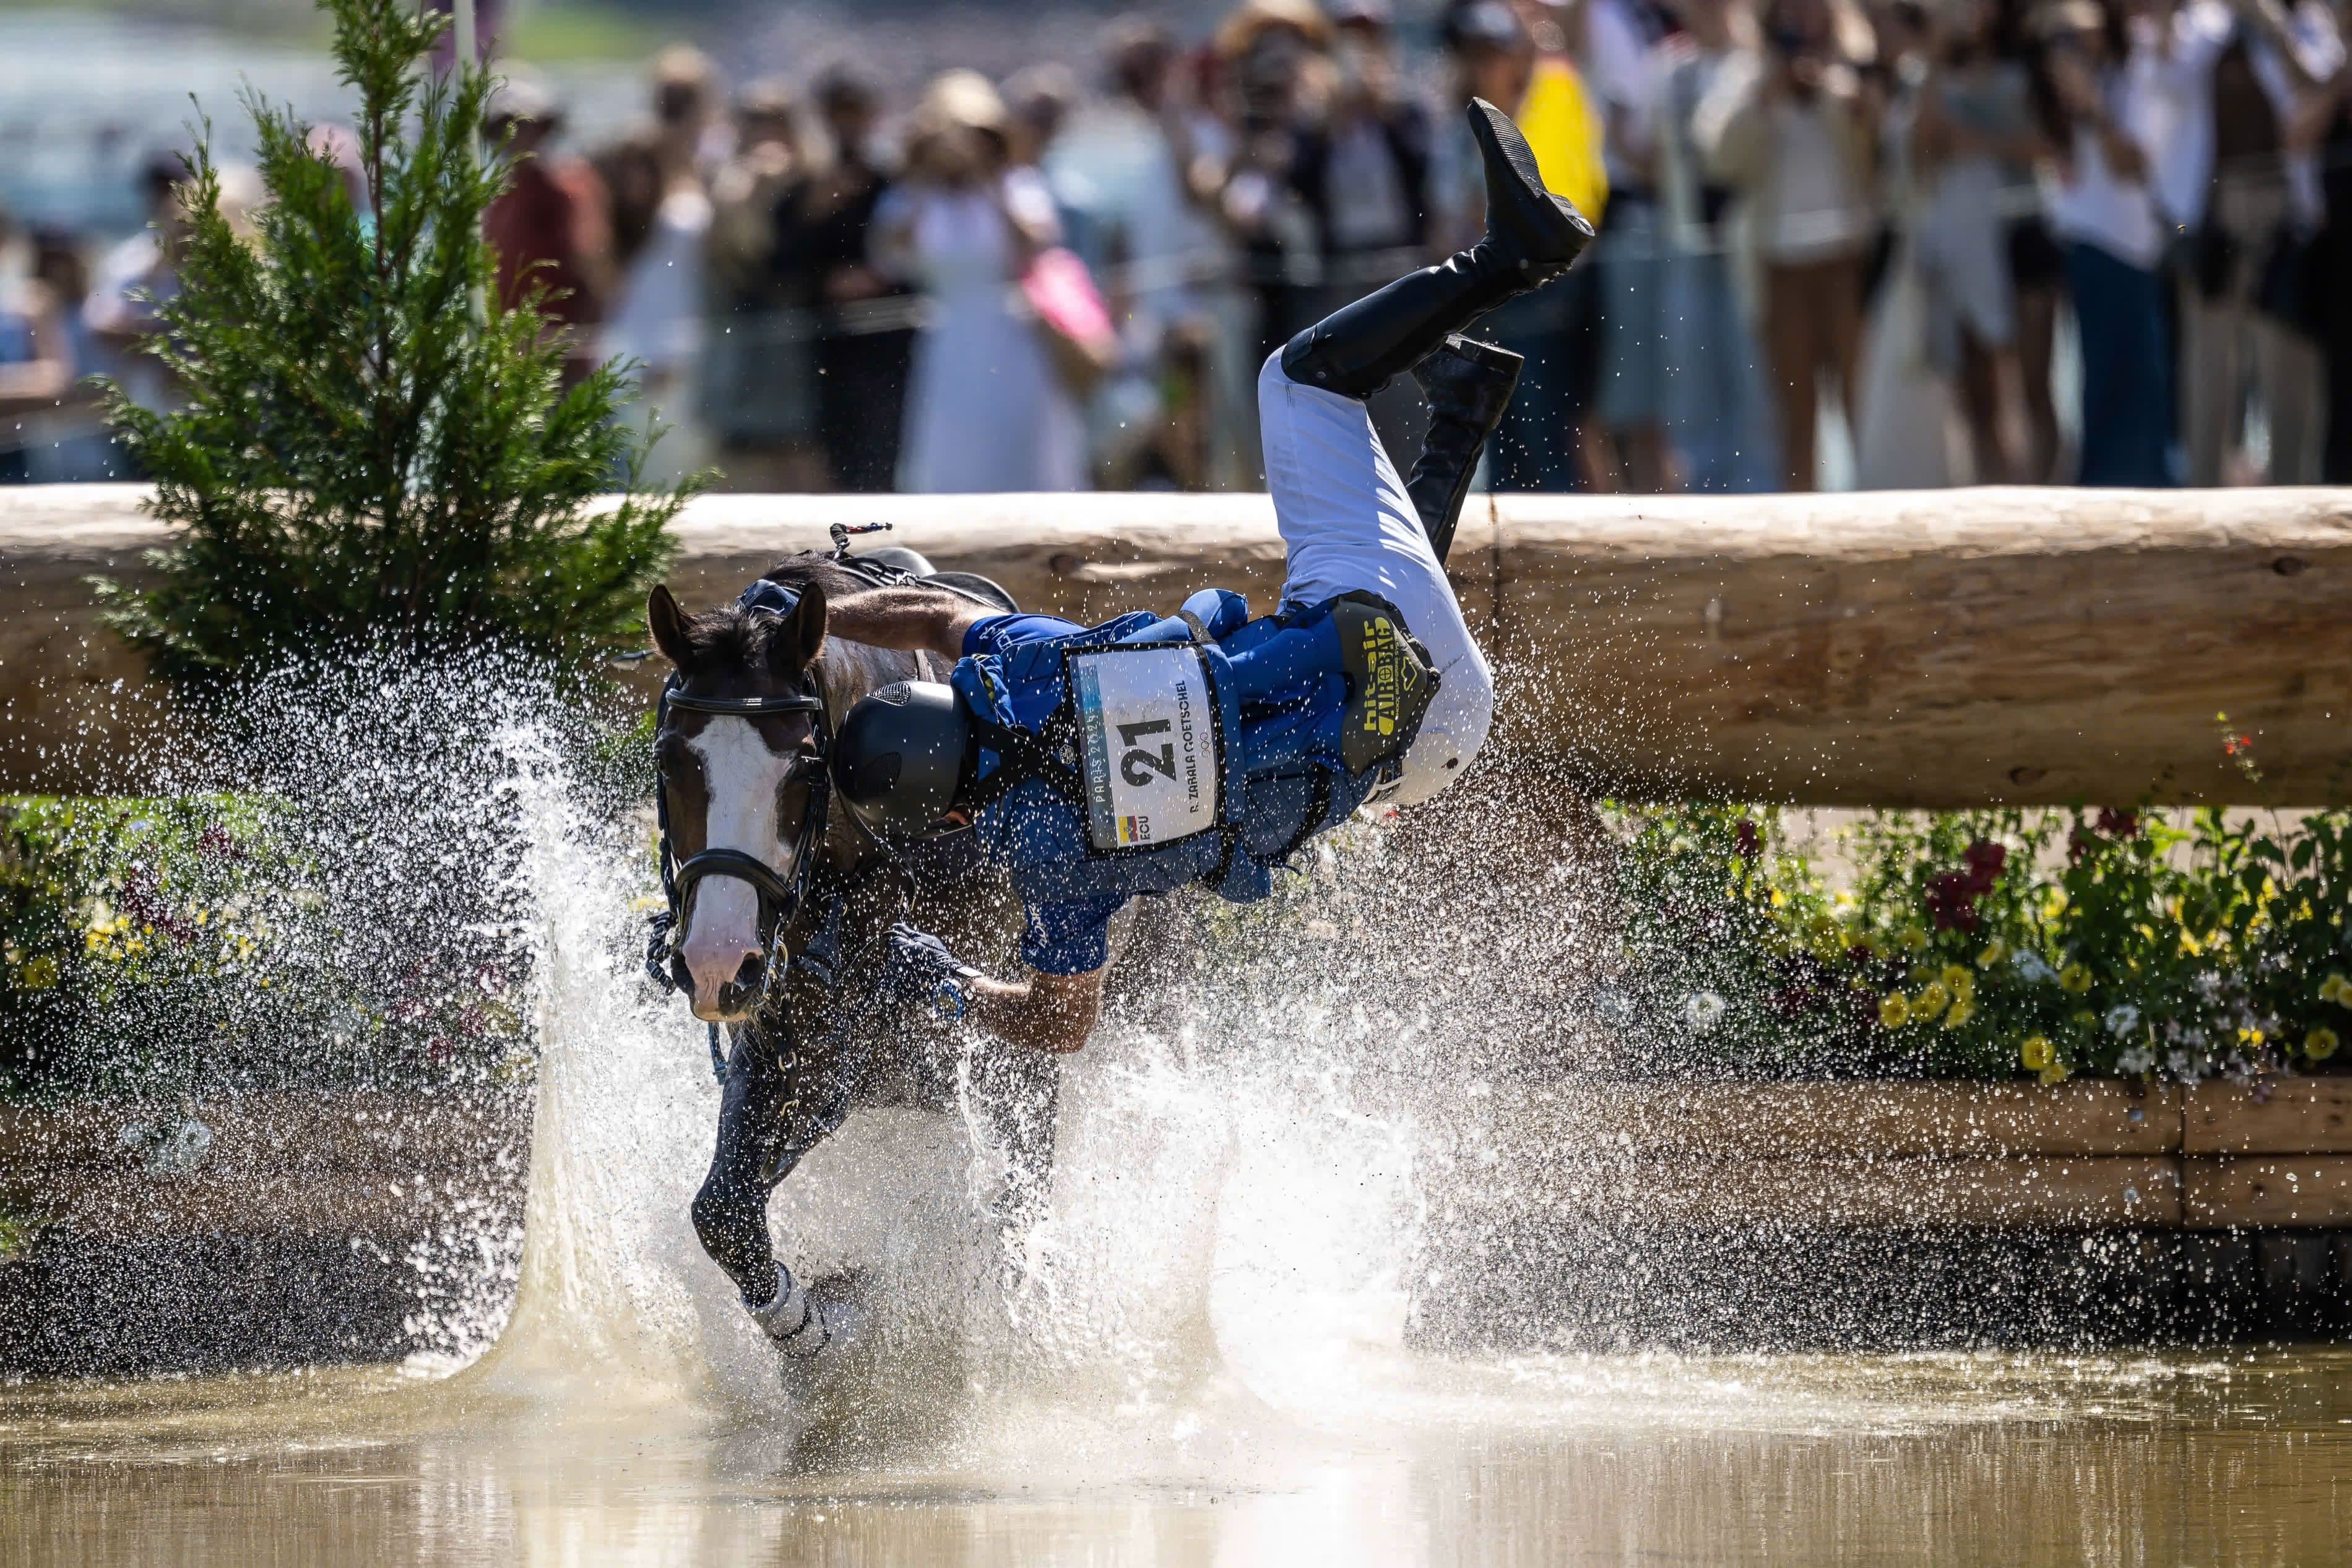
{"x": 961, "y": 100}
{"x": 1254, "y": 19}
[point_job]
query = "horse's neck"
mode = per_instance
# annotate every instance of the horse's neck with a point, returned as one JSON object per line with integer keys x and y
{"x": 849, "y": 671}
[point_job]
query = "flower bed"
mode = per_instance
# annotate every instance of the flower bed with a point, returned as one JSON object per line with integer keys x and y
{"x": 1987, "y": 944}
{"x": 154, "y": 946}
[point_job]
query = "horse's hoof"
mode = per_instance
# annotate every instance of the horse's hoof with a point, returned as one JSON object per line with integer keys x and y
{"x": 837, "y": 1319}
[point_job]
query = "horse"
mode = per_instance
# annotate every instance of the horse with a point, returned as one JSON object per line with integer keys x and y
{"x": 778, "y": 904}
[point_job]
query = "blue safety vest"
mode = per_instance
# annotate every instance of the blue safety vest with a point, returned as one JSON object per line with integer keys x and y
{"x": 1279, "y": 692}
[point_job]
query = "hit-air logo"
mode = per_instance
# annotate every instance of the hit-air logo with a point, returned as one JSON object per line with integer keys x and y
{"x": 1385, "y": 675}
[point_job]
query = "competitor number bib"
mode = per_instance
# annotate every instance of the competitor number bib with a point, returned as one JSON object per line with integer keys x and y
{"x": 1147, "y": 730}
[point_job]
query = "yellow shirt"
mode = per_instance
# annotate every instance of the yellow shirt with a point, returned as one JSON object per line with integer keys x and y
{"x": 1557, "y": 118}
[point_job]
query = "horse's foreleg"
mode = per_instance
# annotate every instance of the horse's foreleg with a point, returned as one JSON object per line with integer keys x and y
{"x": 753, "y": 1154}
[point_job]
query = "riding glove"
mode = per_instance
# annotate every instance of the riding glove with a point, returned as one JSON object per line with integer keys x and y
{"x": 920, "y": 969}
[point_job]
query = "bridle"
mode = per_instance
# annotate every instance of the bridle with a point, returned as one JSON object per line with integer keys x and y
{"x": 780, "y": 897}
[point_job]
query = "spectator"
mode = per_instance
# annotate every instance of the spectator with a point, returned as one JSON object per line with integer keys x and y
{"x": 1150, "y": 170}
{"x": 1972, "y": 145}
{"x": 1796, "y": 132}
{"x": 36, "y": 364}
{"x": 661, "y": 216}
{"x": 69, "y": 442}
{"x": 1272, "y": 55}
{"x": 2104, "y": 209}
{"x": 863, "y": 338}
{"x": 1545, "y": 442}
{"x": 1362, "y": 171}
{"x": 1623, "y": 57}
{"x": 755, "y": 369}
{"x": 2323, "y": 125}
{"x": 131, "y": 280}
{"x": 550, "y": 227}
{"x": 1718, "y": 414}
{"x": 985, "y": 410}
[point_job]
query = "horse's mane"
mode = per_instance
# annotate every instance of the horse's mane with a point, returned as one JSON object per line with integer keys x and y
{"x": 731, "y": 637}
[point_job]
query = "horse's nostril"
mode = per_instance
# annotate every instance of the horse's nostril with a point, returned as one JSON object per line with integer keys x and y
{"x": 753, "y": 973}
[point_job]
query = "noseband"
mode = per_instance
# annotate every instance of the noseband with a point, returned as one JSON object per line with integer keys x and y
{"x": 780, "y": 897}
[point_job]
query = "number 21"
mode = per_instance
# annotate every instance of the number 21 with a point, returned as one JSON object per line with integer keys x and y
{"x": 1133, "y": 766}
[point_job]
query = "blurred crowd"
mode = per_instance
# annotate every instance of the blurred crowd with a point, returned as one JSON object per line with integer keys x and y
{"x": 1867, "y": 242}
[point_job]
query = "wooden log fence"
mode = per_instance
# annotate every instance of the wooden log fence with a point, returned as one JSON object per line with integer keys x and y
{"x": 1948, "y": 648}
{"x": 2089, "y": 1156}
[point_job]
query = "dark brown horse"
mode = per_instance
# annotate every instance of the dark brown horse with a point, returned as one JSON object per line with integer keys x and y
{"x": 780, "y": 902}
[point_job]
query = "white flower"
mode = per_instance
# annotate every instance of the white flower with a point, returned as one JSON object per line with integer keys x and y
{"x": 2138, "y": 1060}
{"x": 2032, "y": 966}
{"x": 2182, "y": 1065}
{"x": 2240, "y": 1071}
{"x": 1704, "y": 1009}
{"x": 2122, "y": 1019}
{"x": 2208, "y": 984}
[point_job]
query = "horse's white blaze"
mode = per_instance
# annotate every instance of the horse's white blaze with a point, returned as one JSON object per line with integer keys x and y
{"x": 722, "y": 927}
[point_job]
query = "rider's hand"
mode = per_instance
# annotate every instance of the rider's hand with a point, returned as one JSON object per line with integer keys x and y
{"x": 920, "y": 970}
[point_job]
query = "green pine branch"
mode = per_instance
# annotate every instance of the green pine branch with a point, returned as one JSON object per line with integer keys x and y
{"x": 371, "y": 450}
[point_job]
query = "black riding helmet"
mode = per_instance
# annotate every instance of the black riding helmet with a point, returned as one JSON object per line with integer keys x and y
{"x": 898, "y": 755}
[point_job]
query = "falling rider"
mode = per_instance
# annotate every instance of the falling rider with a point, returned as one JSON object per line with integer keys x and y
{"x": 1151, "y": 752}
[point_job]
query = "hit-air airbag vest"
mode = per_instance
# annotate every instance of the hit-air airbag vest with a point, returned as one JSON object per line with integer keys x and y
{"x": 1153, "y": 726}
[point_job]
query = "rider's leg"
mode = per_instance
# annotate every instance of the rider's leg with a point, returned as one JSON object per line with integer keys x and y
{"x": 1346, "y": 517}
{"x": 1468, "y": 385}
{"x": 1531, "y": 237}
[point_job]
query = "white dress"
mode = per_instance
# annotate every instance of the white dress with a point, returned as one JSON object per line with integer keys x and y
{"x": 984, "y": 412}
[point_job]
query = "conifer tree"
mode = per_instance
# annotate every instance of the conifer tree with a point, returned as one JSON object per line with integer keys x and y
{"x": 372, "y": 451}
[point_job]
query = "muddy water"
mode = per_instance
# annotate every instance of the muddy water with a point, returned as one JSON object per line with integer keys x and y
{"x": 1200, "y": 1356}
{"x": 1928, "y": 1460}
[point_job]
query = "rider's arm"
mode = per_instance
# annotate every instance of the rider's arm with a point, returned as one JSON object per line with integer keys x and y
{"x": 908, "y": 617}
{"x": 1049, "y": 1013}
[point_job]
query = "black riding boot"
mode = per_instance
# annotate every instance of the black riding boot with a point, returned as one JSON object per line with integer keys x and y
{"x": 1531, "y": 237}
{"x": 1468, "y": 385}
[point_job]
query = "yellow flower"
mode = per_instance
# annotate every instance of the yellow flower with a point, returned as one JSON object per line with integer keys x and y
{"x": 40, "y": 973}
{"x": 1959, "y": 982}
{"x": 1995, "y": 951}
{"x": 2084, "y": 1018}
{"x": 2057, "y": 1073}
{"x": 2075, "y": 978}
{"x": 1824, "y": 932}
{"x": 2252, "y": 1039}
{"x": 2318, "y": 1045}
{"x": 2332, "y": 989}
{"x": 1931, "y": 1000}
{"x": 1914, "y": 938}
{"x": 2036, "y": 1052}
{"x": 1963, "y": 1010}
{"x": 1895, "y": 1011}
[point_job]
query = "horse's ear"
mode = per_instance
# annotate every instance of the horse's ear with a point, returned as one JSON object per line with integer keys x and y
{"x": 797, "y": 642}
{"x": 667, "y": 621}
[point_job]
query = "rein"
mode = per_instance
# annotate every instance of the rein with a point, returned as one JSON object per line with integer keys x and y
{"x": 781, "y": 897}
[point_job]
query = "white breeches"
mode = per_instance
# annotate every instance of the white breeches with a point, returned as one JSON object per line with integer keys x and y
{"x": 1349, "y": 525}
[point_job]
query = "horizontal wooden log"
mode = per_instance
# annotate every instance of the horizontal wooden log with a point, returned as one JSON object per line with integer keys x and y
{"x": 123, "y": 1206}
{"x": 2071, "y": 1192}
{"x": 1934, "y": 649}
{"x": 1855, "y": 1121}
{"x": 2296, "y": 1192}
{"x": 2293, "y": 1116}
{"x": 370, "y": 1133}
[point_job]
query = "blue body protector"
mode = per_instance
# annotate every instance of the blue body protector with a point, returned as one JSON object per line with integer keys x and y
{"x": 1280, "y": 693}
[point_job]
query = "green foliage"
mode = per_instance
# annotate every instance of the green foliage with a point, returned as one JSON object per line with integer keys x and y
{"x": 147, "y": 945}
{"x": 1987, "y": 944}
{"x": 373, "y": 451}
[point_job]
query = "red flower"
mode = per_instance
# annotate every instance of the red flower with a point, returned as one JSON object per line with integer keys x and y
{"x": 1985, "y": 860}
{"x": 1751, "y": 843}
{"x": 1951, "y": 902}
{"x": 2118, "y": 825}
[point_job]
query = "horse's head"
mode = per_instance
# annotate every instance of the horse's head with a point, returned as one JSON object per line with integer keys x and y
{"x": 740, "y": 750}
